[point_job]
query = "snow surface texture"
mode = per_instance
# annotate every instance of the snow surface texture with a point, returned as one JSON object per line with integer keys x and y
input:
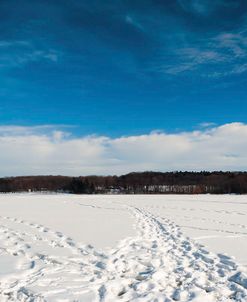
{"x": 42, "y": 259}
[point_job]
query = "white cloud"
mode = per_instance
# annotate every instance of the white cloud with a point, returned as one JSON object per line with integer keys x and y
{"x": 28, "y": 150}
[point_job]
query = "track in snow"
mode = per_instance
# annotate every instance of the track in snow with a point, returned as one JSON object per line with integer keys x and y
{"x": 159, "y": 264}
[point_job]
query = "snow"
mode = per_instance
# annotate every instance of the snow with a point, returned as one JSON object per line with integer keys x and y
{"x": 123, "y": 248}
{"x": 81, "y": 218}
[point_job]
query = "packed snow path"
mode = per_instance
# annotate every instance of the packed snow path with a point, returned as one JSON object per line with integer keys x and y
{"x": 159, "y": 264}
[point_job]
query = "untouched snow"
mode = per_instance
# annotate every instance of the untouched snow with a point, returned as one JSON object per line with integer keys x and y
{"x": 123, "y": 248}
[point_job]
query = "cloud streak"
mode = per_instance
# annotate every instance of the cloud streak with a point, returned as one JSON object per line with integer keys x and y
{"x": 17, "y": 53}
{"x": 219, "y": 56}
{"x": 206, "y": 7}
{"x": 27, "y": 151}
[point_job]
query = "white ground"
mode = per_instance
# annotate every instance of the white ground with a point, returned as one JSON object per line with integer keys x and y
{"x": 123, "y": 248}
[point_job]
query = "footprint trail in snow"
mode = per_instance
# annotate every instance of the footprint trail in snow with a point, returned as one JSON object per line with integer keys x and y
{"x": 159, "y": 264}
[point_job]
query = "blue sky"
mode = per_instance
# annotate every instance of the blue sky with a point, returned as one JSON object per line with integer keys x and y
{"x": 110, "y": 87}
{"x": 123, "y": 67}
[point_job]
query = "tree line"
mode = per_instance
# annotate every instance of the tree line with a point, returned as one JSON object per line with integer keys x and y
{"x": 132, "y": 183}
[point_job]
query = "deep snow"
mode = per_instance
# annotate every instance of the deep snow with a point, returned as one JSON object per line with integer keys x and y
{"x": 126, "y": 248}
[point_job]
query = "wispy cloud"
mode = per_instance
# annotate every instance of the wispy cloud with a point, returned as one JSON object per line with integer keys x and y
{"x": 130, "y": 20}
{"x": 7, "y": 44}
{"x": 235, "y": 43}
{"x": 206, "y": 7}
{"x": 201, "y": 7}
{"x": 192, "y": 58}
{"x": 24, "y": 150}
{"x": 15, "y": 130}
{"x": 207, "y": 125}
{"x": 18, "y": 53}
{"x": 220, "y": 56}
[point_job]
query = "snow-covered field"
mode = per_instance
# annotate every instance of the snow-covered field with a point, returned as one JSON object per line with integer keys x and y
{"x": 123, "y": 248}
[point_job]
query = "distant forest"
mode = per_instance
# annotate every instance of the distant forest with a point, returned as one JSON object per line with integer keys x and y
{"x": 132, "y": 183}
